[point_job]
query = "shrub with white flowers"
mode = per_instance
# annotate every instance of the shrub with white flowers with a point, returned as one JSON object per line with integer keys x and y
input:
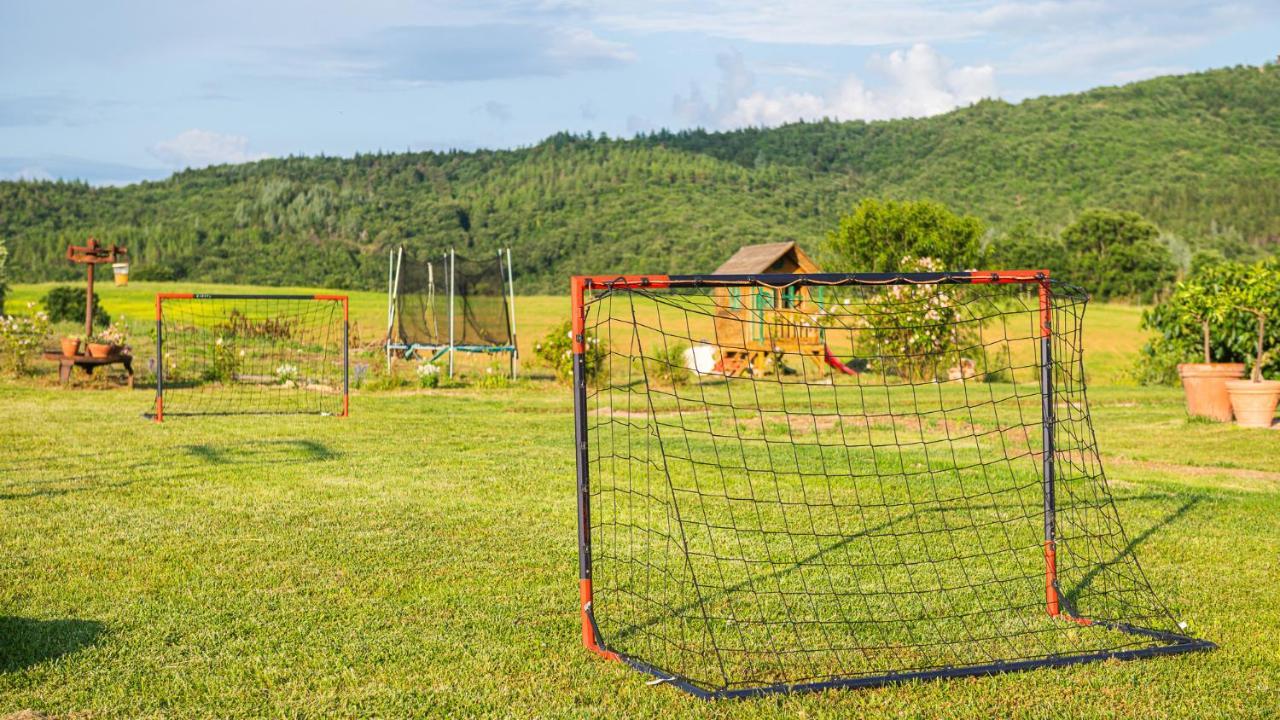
{"x": 916, "y": 329}
{"x": 21, "y": 338}
{"x": 224, "y": 360}
{"x": 556, "y": 350}
{"x": 428, "y": 374}
{"x": 286, "y": 373}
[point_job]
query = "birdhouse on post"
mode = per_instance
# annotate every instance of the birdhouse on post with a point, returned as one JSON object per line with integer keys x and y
{"x": 93, "y": 254}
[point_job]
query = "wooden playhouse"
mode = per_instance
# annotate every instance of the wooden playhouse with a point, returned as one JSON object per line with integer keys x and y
{"x": 757, "y": 326}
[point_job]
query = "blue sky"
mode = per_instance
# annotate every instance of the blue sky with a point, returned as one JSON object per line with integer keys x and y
{"x": 115, "y": 92}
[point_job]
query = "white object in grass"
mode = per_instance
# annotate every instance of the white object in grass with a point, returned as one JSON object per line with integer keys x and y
{"x": 701, "y": 359}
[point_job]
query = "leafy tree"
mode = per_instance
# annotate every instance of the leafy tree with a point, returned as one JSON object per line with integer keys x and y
{"x": 1179, "y": 325}
{"x": 884, "y": 236}
{"x": 1117, "y": 254}
{"x": 1023, "y": 247}
{"x": 66, "y": 304}
{"x": 1258, "y": 295}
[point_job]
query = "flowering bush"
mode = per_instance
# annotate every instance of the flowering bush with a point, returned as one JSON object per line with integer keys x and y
{"x": 428, "y": 375}
{"x": 20, "y": 338}
{"x": 224, "y": 361}
{"x": 556, "y": 350}
{"x": 286, "y": 373}
{"x": 115, "y": 334}
{"x": 915, "y": 329}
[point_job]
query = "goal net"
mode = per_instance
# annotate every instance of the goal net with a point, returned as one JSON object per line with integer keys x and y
{"x": 251, "y": 354}
{"x": 792, "y": 482}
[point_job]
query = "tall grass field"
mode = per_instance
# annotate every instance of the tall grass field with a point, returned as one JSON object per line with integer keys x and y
{"x": 419, "y": 558}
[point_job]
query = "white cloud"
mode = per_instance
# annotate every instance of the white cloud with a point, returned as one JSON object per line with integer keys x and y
{"x": 918, "y": 82}
{"x": 199, "y": 148}
{"x": 423, "y": 54}
{"x": 29, "y": 172}
{"x": 842, "y": 22}
{"x": 496, "y": 111}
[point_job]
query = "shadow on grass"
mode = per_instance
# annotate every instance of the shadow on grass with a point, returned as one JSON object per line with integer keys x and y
{"x": 267, "y": 451}
{"x": 1073, "y": 595}
{"x": 25, "y": 642}
{"x": 102, "y": 469}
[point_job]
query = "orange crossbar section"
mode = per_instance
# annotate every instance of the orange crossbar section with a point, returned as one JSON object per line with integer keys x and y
{"x": 983, "y": 277}
{"x": 342, "y": 298}
{"x": 624, "y": 281}
{"x": 174, "y": 296}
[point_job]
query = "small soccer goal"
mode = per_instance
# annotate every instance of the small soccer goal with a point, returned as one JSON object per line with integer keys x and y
{"x": 794, "y": 482}
{"x": 453, "y": 304}
{"x": 251, "y": 354}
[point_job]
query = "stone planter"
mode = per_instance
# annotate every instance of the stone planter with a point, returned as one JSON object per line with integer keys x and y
{"x": 1205, "y": 385}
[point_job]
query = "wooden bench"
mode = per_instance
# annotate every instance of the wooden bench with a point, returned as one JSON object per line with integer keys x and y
{"x": 89, "y": 363}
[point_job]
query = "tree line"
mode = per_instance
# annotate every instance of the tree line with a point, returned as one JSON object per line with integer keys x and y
{"x": 1195, "y": 155}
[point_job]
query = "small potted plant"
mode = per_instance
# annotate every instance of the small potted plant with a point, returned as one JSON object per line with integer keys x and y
{"x": 1204, "y": 302}
{"x": 1258, "y": 294}
{"x": 70, "y": 346}
{"x": 100, "y": 346}
{"x": 116, "y": 336}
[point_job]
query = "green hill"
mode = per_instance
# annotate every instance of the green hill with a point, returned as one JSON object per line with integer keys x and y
{"x": 1198, "y": 154}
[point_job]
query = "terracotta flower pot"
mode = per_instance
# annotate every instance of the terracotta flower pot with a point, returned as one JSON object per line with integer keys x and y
{"x": 70, "y": 346}
{"x": 1254, "y": 402}
{"x": 1205, "y": 385}
{"x": 99, "y": 350}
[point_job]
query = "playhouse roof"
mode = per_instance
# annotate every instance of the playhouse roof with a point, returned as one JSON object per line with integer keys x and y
{"x": 761, "y": 258}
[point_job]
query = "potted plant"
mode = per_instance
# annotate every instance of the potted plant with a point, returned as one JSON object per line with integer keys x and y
{"x": 1204, "y": 302}
{"x": 99, "y": 346}
{"x": 70, "y": 346}
{"x": 116, "y": 336}
{"x": 1258, "y": 294}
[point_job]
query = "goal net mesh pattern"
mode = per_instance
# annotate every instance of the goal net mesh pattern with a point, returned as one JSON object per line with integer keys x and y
{"x": 849, "y": 487}
{"x": 232, "y": 355}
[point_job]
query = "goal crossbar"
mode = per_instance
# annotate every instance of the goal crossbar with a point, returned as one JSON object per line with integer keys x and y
{"x": 696, "y": 521}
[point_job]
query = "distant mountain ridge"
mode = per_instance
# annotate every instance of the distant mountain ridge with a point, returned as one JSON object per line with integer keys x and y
{"x": 1198, "y": 154}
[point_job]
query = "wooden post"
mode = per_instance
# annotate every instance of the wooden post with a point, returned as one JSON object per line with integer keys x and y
{"x": 91, "y": 254}
{"x": 88, "y": 301}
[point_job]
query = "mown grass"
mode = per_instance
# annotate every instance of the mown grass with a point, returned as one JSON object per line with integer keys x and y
{"x": 418, "y": 559}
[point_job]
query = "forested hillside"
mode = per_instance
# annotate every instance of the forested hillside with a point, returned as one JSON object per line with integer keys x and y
{"x": 1198, "y": 154}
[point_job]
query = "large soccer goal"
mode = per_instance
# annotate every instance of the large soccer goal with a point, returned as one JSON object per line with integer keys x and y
{"x": 881, "y": 477}
{"x": 251, "y": 354}
{"x": 451, "y": 304}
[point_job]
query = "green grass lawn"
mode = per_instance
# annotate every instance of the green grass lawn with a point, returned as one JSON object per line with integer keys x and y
{"x": 418, "y": 559}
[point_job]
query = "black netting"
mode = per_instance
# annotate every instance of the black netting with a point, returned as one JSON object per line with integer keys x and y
{"x": 422, "y": 301}
{"x": 480, "y": 302}
{"x": 846, "y": 483}
{"x": 236, "y": 355}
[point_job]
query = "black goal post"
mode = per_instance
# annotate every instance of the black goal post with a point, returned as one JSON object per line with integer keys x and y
{"x": 798, "y": 482}
{"x": 244, "y": 354}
